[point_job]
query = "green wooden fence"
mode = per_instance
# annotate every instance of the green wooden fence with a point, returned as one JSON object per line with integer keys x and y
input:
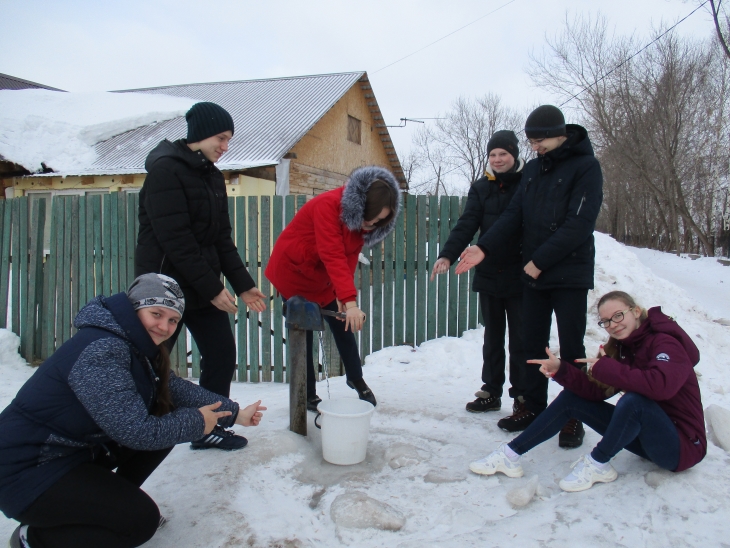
{"x": 92, "y": 252}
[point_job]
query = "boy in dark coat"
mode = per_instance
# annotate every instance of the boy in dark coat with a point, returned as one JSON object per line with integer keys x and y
{"x": 556, "y": 206}
{"x": 185, "y": 232}
{"x": 497, "y": 278}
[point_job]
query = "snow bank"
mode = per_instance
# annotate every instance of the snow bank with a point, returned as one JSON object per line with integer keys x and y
{"x": 60, "y": 129}
{"x": 14, "y": 370}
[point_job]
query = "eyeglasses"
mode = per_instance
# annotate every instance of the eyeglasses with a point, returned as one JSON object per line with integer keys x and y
{"x": 535, "y": 142}
{"x": 616, "y": 318}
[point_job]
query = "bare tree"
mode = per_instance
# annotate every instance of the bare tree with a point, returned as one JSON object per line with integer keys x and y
{"x": 410, "y": 163}
{"x": 453, "y": 151}
{"x": 430, "y": 159}
{"x": 659, "y": 123}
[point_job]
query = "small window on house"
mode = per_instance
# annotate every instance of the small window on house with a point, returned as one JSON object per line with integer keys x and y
{"x": 353, "y": 129}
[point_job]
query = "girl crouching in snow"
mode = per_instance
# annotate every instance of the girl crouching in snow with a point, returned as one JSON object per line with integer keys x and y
{"x": 105, "y": 400}
{"x": 659, "y": 417}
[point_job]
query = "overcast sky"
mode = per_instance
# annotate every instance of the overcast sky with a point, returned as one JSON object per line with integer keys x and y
{"x": 93, "y": 45}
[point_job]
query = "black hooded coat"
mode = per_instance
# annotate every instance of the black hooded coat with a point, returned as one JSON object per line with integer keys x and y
{"x": 499, "y": 273}
{"x": 184, "y": 228}
{"x": 556, "y": 207}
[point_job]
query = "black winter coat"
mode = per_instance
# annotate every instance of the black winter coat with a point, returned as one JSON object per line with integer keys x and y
{"x": 184, "y": 228}
{"x": 556, "y": 206}
{"x": 97, "y": 388}
{"x": 499, "y": 273}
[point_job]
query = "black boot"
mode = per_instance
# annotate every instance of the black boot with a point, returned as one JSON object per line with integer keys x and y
{"x": 484, "y": 402}
{"x": 572, "y": 434}
{"x": 520, "y": 418}
{"x": 313, "y": 402}
{"x": 363, "y": 390}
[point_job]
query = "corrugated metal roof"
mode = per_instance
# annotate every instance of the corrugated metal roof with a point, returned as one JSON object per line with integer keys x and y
{"x": 270, "y": 117}
{"x": 11, "y": 82}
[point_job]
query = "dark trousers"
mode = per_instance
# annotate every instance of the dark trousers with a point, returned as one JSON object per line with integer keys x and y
{"x": 93, "y": 507}
{"x": 635, "y": 423}
{"x": 498, "y": 314}
{"x": 346, "y": 345}
{"x": 569, "y": 306}
{"x": 211, "y": 329}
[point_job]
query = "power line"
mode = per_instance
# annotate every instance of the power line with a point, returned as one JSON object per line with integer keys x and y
{"x": 444, "y": 37}
{"x": 591, "y": 85}
{"x": 622, "y": 63}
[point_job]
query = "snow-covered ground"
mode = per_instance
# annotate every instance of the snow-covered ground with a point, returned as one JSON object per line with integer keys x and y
{"x": 279, "y": 491}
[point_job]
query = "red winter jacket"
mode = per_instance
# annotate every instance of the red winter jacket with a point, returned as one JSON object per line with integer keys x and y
{"x": 316, "y": 254}
{"x": 657, "y": 362}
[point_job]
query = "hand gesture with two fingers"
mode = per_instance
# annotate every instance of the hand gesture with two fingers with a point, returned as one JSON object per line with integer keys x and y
{"x": 549, "y": 366}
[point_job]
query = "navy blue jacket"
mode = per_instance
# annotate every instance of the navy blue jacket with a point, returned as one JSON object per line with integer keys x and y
{"x": 99, "y": 386}
{"x": 499, "y": 273}
{"x": 556, "y": 206}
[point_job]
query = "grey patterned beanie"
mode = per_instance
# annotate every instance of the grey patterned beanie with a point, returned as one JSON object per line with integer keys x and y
{"x": 156, "y": 290}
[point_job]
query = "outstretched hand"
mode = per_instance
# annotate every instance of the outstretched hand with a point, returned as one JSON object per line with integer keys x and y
{"x": 472, "y": 256}
{"x": 254, "y": 299}
{"x": 250, "y": 415}
{"x": 441, "y": 266}
{"x": 549, "y": 366}
{"x": 224, "y": 301}
{"x": 211, "y": 416}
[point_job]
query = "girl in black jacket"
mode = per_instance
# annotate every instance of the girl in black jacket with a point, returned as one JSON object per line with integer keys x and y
{"x": 105, "y": 400}
{"x": 497, "y": 279}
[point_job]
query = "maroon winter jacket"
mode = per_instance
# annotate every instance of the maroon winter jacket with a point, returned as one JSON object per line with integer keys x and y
{"x": 657, "y": 362}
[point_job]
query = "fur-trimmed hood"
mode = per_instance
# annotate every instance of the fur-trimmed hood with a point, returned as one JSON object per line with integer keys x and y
{"x": 355, "y": 195}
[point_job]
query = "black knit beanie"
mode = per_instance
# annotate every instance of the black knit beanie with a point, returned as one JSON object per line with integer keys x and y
{"x": 506, "y": 140}
{"x": 206, "y": 120}
{"x": 545, "y": 121}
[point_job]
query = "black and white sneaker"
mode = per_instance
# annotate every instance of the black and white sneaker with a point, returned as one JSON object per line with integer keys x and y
{"x": 220, "y": 438}
{"x": 18, "y": 538}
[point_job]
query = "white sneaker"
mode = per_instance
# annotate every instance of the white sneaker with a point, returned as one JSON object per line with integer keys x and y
{"x": 497, "y": 461}
{"x": 585, "y": 473}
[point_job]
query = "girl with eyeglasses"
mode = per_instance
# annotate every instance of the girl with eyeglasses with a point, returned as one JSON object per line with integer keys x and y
{"x": 659, "y": 417}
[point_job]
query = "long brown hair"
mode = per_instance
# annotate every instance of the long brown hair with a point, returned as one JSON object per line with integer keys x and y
{"x": 380, "y": 195}
{"x": 611, "y": 346}
{"x": 161, "y": 366}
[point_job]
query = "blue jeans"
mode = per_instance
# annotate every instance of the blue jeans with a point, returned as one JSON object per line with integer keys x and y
{"x": 635, "y": 423}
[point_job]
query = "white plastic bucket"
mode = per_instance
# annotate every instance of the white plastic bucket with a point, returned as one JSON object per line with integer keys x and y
{"x": 345, "y": 428}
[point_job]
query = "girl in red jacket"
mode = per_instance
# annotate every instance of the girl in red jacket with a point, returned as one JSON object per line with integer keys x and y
{"x": 316, "y": 255}
{"x": 659, "y": 417}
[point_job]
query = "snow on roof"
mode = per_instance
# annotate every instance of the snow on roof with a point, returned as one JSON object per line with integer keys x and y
{"x": 270, "y": 116}
{"x": 60, "y": 130}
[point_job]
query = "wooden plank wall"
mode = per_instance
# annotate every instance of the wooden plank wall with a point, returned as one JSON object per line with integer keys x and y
{"x": 92, "y": 253}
